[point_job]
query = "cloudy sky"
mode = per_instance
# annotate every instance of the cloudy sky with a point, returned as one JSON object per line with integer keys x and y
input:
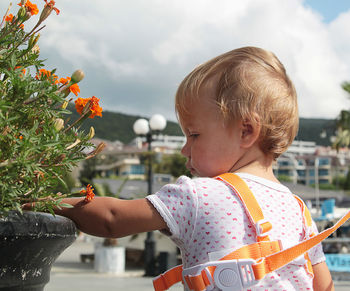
{"x": 135, "y": 53}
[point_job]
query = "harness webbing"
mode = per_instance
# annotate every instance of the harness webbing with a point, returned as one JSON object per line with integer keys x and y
{"x": 250, "y": 204}
{"x": 267, "y": 254}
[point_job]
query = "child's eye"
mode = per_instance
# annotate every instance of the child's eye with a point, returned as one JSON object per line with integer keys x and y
{"x": 194, "y": 135}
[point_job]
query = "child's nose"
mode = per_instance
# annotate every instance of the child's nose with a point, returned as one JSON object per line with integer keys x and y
{"x": 185, "y": 150}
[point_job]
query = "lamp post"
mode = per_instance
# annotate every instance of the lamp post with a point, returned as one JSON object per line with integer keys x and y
{"x": 146, "y": 128}
{"x": 317, "y": 185}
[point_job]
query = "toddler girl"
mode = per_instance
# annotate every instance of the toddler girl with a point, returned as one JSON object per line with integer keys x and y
{"x": 238, "y": 112}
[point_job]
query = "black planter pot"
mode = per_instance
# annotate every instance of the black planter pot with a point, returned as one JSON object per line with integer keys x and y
{"x": 29, "y": 244}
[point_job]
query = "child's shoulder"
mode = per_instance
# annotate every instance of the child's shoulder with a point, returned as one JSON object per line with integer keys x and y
{"x": 257, "y": 181}
{"x": 249, "y": 179}
{"x": 199, "y": 182}
{"x": 194, "y": 186}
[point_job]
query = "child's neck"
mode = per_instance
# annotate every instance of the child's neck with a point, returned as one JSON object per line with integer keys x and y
{"x": 256, "y": 163}
{"x": 259, "y": 170}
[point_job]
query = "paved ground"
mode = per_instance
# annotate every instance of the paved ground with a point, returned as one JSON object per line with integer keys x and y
{"x": 68, "y": 273}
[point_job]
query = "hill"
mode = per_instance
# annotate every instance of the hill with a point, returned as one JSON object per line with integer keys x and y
{"x": 310, "y": 129}
{"x": 118, "y": 126}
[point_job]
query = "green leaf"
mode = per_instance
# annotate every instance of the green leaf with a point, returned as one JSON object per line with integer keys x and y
{"x": 13, "y": 60}
{"x": 66, "y": 205}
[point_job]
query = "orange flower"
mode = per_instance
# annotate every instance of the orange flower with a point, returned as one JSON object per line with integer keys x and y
{"x": 74, "y": 89}
{"x": 80, "y": 104}
{"x": 41, "y": 73}
{"x": 30, "y": 7}
{"x": 64, "y": 81}
{"x": 47, "y": 10}
{"x": 95, "y": 108}
{"x": 47, "y": 75}
{"x": 23, "y": 70}
{"x": 9, "y": 18}
{"x": 89, "y": 193}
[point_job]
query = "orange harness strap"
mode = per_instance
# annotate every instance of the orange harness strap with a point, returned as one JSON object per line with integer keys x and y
{"x": 278, "y": 260}
{"x": 252, "y": 206}
{"x": 264, "y": 265}
{"x": 254, "y": 251}
{"x": 308, "y": 233}
{"x": 169, "y": 278}
{"x": 267, "y": 255}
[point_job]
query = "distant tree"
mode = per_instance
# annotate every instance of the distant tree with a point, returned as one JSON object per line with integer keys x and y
{"x": 174, "y": 164}
{"x": 66, "y": 184}
{"x": 88, "y": 171}
{"x": 343, "y": 124}
{"x": 343, "y": 133}
{"x": 284, "y": 178}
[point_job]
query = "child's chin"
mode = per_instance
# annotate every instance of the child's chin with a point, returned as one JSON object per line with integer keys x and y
{"x": 194, "y": 173}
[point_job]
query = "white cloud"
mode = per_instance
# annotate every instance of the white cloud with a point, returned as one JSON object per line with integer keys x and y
{"x": 136, "y": 52}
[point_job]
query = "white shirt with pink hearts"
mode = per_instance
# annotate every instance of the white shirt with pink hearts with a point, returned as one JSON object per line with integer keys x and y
{"x": 205, "y": 216}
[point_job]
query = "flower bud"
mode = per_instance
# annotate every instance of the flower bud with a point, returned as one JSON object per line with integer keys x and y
{"x": 58, "y": 124}
{"x": 36, "y": 49}
{"x": 100, "y": 148}
{"x": 96, "y": 151}
{"x": 45, "y": 13}
{"x": 65, "y": 90}
{"x": 30, "y": 41}
{"x": 65, "y": 104}
{"x": 73, "y": 144}
{"x": 4, "y": 163}
{"x": 77, "y": 76}
{"x": 21, "y": 12}
{"x": 33, "y": 40}
{"x": 27, "y": 16}
{"x": 91, "y": 133}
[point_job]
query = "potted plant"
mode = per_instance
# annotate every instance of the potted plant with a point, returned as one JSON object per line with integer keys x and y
{"x": 39, "y": 144}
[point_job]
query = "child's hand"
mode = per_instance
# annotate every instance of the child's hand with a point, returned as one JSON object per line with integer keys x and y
{"x": 28, "y": 206}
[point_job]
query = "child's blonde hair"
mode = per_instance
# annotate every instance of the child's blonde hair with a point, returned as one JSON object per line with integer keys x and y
{"x": 251, "y": 84}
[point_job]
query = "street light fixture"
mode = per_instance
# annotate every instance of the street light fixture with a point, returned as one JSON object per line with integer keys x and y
{"x": 146, "y": 128}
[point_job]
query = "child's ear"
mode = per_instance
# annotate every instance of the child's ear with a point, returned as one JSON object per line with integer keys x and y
{"x": 250, "y": 131}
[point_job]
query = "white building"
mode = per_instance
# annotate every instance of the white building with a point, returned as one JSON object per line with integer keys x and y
{"x": 306, "y": 163}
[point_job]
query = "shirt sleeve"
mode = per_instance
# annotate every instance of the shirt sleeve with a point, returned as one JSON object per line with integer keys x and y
{"x": 316, "y": 254}
{"x": 177, "y": 204}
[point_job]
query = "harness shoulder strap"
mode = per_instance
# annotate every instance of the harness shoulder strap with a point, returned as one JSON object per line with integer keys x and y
{"x": 264, "y": 256}
{"x": 253, "y": 271}
{"x": 306, "y": 215}
{"x": 250, "y": 204}
{"x": 262, "y": 248}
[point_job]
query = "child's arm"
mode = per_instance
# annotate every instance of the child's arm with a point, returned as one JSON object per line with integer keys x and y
{"x": 112, "y": 217}
{"x": 322, "y": 280}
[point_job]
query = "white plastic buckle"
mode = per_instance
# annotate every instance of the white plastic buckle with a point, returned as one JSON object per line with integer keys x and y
{"x": 228, "y": 275}
{"x": 234, "y": 274}
{"x": 259, "y": 229}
